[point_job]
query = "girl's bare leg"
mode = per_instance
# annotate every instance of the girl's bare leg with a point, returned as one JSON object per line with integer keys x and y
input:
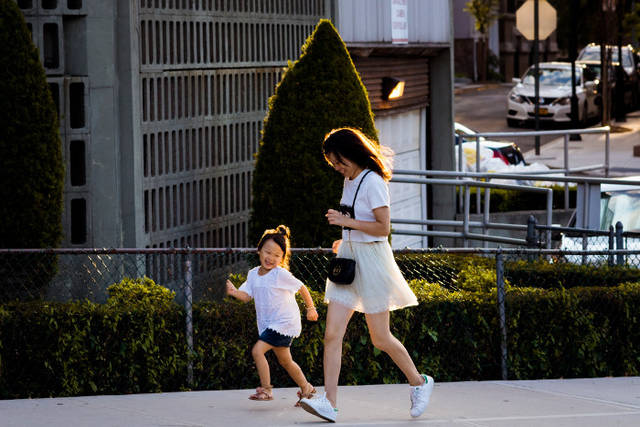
{"x": 293, "y": 369}
{"x": 338, "y": 317}
{"x": 382, "y": 338}
{"x": 258, "y": 353}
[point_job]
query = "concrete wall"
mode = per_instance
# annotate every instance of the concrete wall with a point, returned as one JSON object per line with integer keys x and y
{"x": 370, "y": 20}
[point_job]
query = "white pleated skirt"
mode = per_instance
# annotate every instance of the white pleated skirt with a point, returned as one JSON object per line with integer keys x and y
{"x": 378, "y": 285}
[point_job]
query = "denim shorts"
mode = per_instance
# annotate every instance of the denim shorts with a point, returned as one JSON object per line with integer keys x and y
{"x": 274, "y": 338}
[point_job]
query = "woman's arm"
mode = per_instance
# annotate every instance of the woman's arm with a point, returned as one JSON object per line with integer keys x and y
{"x": 312, "y": 313}
{"x": 234, "y": 292}
{"x": 380, "y": 227}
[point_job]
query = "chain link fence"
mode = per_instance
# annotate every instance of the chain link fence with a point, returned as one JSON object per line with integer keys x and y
{"x": 199, "y": 274}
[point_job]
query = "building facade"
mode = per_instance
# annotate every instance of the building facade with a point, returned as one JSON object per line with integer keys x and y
{"x": 161, "y": 104}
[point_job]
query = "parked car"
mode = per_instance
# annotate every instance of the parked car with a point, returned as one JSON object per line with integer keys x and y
{"x": 595, "y": 69}
{"x": 502, "y": 152}
{"x": 630, "y": 65}
{"x": 554, "y": 94}
{"x": 618, "y": 202}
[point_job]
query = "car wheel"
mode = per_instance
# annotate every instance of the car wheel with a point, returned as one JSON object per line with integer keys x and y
{"x": 513, "y": 123}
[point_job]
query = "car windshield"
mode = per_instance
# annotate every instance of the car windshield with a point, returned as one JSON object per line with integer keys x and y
{"x": 551, "y": 77}
{"x": 593, "y": 54}
{"x": 623, "y": 207}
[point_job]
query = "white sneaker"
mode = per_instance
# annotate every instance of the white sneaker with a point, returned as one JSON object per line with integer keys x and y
{"x": 320, "y": 407}
{"x": 420, "y": 396}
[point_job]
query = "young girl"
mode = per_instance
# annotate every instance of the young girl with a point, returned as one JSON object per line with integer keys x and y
{"x": 378, "y": 286}
{"x": 273, "y": 288}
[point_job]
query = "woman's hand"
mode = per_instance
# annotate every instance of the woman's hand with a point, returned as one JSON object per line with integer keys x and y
{"x": 336, "y": 218}
{"x": 336, "y": 246}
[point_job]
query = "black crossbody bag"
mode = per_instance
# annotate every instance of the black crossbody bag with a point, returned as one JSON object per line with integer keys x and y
{"x": 342, "y": 271}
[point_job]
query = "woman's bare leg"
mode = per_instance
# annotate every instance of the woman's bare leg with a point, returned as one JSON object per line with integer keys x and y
{"x": 338, "y": 317}
{"x": 382, "y": 338}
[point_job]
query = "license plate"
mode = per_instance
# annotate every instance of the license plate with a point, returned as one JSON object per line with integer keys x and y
{"x": 543, "y": 111}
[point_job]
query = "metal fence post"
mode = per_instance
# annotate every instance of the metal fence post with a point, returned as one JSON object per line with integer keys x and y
{"x": 502, "y": 312}
{"x": 611, "y": 244}
{"x": 619, "y": 243}
{"x": 188, "y": 305}
{"x": 532, "y": 237}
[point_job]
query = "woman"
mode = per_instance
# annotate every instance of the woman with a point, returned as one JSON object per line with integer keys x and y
{"x": 379, "y": 286}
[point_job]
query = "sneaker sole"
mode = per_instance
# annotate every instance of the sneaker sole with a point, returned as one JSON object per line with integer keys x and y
{"x": 312, "y": 411}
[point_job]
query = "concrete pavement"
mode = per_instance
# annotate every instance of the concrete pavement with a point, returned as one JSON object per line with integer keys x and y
{"x": 567, "y": 403}
{"x": 591, "y": 150}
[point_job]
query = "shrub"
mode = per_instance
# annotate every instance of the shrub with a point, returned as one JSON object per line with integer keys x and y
{"x": 516, "y": 200}
{"x": 31, "y": 168}
{"x": 81, "y": 348}
{"x": 53, "y": 349}
{"x": 142, "y": 293}
{"x": 477, "y": 278}
{"x": 292, "y": 182}
{"x": 542, "y": 274}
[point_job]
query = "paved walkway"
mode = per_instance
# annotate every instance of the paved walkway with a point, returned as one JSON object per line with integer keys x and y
{"x": 568, "y": 403}
{"x": 590, "y": 151}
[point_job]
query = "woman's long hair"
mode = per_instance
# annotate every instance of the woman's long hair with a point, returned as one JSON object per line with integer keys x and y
{"x": 281, "y": 236}
{"x": 353, "y": 145}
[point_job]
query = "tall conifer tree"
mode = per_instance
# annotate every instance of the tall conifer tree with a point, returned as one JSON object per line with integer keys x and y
{"x": 292, "y": 183}
{"x": 31, "y": 167}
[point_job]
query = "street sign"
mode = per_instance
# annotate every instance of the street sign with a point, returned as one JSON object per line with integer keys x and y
{"x": 547, "y": 19}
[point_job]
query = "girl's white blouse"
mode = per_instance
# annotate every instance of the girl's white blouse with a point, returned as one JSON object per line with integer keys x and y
{"x": 274, "y": 296}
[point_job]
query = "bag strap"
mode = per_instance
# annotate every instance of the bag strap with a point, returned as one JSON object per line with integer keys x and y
{"x": 353, "y": 205}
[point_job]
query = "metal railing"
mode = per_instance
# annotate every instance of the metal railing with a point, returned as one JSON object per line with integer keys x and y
{"x": 565, "y": 133}
{"x": 466, "y": 223}
{"x": 465, "y": 180}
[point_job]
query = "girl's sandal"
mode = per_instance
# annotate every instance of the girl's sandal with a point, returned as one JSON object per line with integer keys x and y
{"x": 262, "y": 393}
{"x": 308, "y": 395}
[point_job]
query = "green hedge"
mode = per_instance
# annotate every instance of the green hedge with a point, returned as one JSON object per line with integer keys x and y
{"x": 53, "y": 349}
{"x": 542, "y": 274}
{"x": 516, "y": 200}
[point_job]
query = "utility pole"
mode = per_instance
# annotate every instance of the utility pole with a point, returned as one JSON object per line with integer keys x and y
{"x": 573, "y": 54}
{"x": 536, "y": 34}
{"x": 604, "y": 65}
{"x": 621, "y": 115}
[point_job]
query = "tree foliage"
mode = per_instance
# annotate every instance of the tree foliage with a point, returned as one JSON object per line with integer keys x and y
{"x": 293, "y": 184}
{"x": 31, "y": 167}
{"x": 485, "y": 13}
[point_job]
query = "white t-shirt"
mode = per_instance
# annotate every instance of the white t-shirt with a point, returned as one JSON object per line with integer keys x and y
{"x": 274, "y": 296}
{"x": 374, "y": 193}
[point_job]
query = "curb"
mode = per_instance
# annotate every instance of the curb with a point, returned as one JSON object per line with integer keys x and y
{"x": 478, "y": 87}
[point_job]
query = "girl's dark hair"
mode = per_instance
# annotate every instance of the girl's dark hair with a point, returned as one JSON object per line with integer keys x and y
{"x": 280, "y": 235}
{"x": 352, "y": 144}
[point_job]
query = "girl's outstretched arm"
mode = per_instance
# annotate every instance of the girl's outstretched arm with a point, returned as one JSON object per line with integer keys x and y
{"x": 234, "y": 292}
{"x": 312, "y": 313}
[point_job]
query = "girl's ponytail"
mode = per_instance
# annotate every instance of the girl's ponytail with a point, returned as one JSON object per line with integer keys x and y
{"x": 284, "y": 230}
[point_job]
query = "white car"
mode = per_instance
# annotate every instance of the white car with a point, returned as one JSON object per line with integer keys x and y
{"x": 618, "y": 202}
{"x": 554, "y": 94}
{"x": 494, "y": 155}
